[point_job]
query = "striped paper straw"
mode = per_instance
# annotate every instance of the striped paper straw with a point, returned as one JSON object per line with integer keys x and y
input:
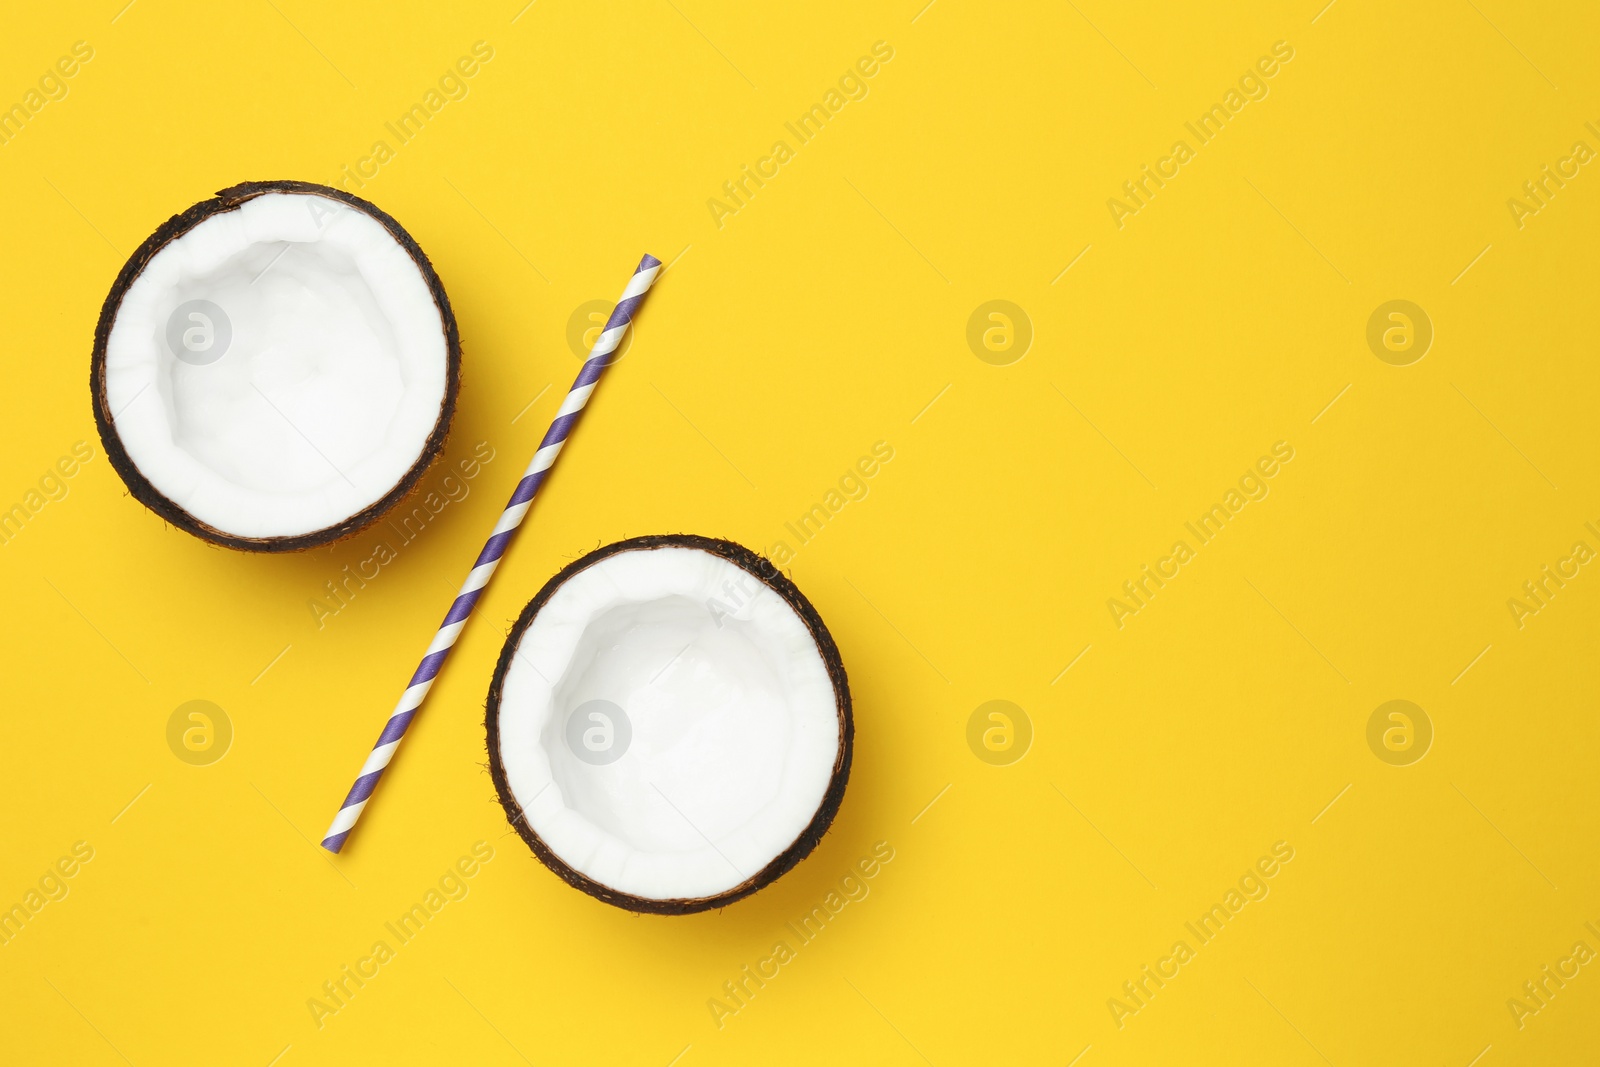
{"x": 600, "y": 357}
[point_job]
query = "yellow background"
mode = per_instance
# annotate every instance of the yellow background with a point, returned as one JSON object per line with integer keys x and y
{"x": 821, "y": 318}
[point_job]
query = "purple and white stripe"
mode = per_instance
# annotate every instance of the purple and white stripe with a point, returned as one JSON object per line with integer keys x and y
{"x": 600, "y": 357}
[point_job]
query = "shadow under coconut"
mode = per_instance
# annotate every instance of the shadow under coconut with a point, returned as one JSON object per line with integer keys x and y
{"x": 408, "y": 546}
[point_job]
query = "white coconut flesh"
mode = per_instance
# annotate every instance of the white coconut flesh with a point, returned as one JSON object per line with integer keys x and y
{"x": 731, "y": 725}
{"x": 330, "y": 382}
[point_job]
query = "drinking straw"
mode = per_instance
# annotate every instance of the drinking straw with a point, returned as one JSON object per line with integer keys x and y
{"x": 600, "y": 357}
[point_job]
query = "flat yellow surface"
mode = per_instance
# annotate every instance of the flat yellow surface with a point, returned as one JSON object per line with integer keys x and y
{"x": 1176, "y": 340}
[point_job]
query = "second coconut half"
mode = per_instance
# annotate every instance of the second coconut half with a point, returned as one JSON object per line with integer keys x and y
{"x": 669, "y": 724}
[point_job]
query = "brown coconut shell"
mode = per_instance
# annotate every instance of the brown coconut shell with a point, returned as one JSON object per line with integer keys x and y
{"x": 147, "y": 494}
{"x": 801, "y": 847}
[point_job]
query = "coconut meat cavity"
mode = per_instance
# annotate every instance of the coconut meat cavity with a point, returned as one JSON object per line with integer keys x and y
{"x": 668, "y": 725}
{"x": 277, "y": 368}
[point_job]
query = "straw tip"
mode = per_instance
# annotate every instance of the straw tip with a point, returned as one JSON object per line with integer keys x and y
{"x": 335, "y": 843}
{"x": 649, "y": 261}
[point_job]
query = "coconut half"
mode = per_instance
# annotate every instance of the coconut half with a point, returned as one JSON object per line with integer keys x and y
{"x": 275, "y": 367}
{"x": 669, "y": 724}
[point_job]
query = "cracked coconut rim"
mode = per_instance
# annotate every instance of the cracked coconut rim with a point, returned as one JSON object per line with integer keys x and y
{"x": 275, "y": 367}
{"x": 669, "y": 724}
